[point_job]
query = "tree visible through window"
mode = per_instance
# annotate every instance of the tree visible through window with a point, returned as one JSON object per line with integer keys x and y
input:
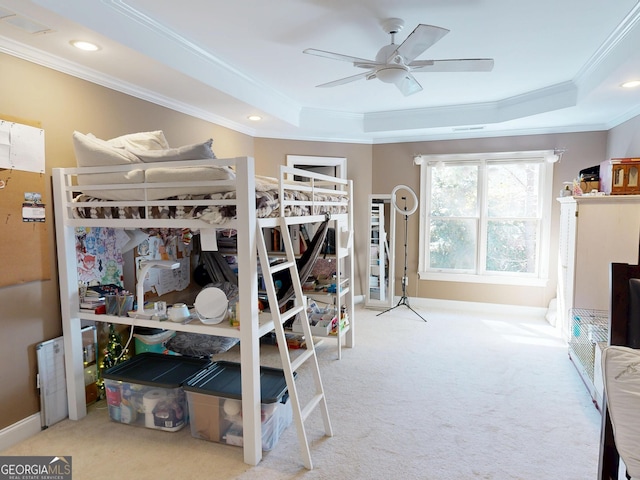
{"x": 485, "y": 215}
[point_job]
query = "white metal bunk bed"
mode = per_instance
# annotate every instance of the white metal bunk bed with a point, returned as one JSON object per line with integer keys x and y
{"x": 322, "y": 194}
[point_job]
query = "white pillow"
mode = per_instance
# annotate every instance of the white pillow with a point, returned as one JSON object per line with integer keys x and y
{"x": 93, "y": 152}
{"x": 185, "y": 174}
{"x": 141, "y": 140}
{"x": 157, "y": 175}
{"x": 132, "y": 176}
{"x": 621, "y": 372}
{"x": 196, "y": 151}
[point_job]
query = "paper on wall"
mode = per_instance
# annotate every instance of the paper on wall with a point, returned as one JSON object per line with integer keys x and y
{"x": 21, "y": 147}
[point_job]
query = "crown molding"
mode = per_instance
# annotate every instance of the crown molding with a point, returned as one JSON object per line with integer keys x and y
{"x": 613, "y": 47}
{"x": 62, "y": 65}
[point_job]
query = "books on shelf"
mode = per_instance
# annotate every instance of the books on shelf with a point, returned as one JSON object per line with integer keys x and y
{"x": 300, "y": 238}
{"x": 91, "y": 298}
{"x": 93, "y": 304}
{"x": 304, "y": 232}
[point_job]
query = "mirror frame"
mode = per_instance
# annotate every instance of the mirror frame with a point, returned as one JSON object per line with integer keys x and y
{"x": 390, "y": 233}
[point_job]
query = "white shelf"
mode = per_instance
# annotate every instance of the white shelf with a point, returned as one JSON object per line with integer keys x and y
{"x": 326, "y": 298}
{"x": 222, "y": 329}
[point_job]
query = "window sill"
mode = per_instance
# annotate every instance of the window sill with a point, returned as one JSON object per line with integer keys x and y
{"x": 485, "y": 279}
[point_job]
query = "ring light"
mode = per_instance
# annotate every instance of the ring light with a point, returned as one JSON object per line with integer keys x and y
{"x": 404, "y": 211}
{"x": 404, "y": 300}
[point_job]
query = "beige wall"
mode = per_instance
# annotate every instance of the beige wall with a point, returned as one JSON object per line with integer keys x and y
{"x": 624, "y": 140}
{"x": 393, "y": 165}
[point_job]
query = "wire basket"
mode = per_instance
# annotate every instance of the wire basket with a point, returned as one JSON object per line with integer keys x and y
{"x": 588, "y": 328}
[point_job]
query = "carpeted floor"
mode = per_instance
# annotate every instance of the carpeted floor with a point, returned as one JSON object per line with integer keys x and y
{"x": 463, "y": 396}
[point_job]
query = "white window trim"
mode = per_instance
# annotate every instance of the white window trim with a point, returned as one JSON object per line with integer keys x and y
{"x": 546, "y": 189}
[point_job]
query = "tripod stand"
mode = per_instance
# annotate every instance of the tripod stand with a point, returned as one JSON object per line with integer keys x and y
{"x": 404, "y": 300}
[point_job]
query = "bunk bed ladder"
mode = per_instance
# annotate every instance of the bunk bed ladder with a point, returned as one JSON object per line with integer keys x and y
{"x": 289, "y": 366}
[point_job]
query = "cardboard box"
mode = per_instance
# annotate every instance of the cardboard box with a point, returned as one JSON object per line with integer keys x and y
{"x": 588, "y": 187}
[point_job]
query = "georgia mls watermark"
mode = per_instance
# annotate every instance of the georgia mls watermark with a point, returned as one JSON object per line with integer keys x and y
{"x": 35, "y": 468}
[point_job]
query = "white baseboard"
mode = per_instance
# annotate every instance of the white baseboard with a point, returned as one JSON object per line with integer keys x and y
{"x": 466, "y": 306}
{"x": 478, "y": 307}
{"x": 19, "y": 431}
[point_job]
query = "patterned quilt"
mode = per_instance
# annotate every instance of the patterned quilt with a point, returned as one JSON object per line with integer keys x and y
{"x": 267, "y": 205}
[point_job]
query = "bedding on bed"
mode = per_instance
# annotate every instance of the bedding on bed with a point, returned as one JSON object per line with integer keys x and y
{"x": 140, "y": 148}
{"x": 267, "y": 205}
{"x": 144, "y": 147}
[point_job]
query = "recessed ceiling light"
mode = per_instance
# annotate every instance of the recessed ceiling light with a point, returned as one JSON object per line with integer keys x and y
{"x": 254, "y": 118}
{"x": 86, "y": 46}
{"x": 631, "y": 84}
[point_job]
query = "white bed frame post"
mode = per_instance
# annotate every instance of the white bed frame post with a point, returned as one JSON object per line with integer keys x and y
{"x": 248, "y": 312}
{"x": 69, "y": 295}
{"x": 350, "y": 270}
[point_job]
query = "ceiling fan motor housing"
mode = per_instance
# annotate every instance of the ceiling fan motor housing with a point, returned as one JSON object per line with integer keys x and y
{"x": 394, "y": 68}
{"x": 385, "y": 52}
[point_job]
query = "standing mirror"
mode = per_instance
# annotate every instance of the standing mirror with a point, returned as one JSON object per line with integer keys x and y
{"x": 380, "y": 259}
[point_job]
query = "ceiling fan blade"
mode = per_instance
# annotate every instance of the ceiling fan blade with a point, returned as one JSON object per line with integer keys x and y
{"x": 339, "y": 56}
{"x": 350, "y": 79}
{"x": 369, "y": 64}
{"x": 422, "y": 37}
{"x": 453, "y": 65}
{"x": 408, "y": 85}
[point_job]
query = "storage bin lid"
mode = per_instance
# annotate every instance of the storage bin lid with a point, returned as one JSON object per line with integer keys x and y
{"x": 156, "y": 369}
{"x": 222, "y": 379}
{"x": 148, "y": 330}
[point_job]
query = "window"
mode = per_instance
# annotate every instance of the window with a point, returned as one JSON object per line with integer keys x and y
{"x": 486, "y": 217}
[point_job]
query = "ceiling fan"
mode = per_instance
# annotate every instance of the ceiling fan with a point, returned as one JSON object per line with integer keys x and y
{"x": 396, "y": 63}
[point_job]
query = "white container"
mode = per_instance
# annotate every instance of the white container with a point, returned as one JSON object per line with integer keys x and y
{"x": 178, "y": 312}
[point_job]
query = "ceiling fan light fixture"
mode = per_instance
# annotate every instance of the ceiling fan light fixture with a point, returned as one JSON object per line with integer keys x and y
{"x": 391, "y": 74}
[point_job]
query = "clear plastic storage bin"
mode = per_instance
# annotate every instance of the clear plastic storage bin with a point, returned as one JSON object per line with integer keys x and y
{"x": 147, "y": 390}
{"x": 215, "y": 411}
